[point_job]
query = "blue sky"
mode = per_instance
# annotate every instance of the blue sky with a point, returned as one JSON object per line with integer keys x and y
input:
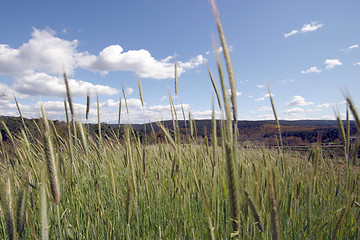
{"x": 307, "y": 50}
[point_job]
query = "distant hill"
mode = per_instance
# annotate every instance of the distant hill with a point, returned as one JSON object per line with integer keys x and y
{"x": 298, "y": 132}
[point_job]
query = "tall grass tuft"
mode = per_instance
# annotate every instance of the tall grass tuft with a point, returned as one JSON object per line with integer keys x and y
{"x": 50, "y": 160}
{"x": 43, "y": 210}
{"x": 176, "y": 76}
{"x": 214, "y": 86}
{"x": 87, "y": 106}
{"x": 276, "y": 117}
{"x": 254, "y": 212}
{"x": 231, "y": 137}
{"x": 227, "y": 60}
{"x": 338, "y": 223}
{"x": 9, "y": 207}
{"x": 21, "y": 211}
{"x": 119, "y": 118}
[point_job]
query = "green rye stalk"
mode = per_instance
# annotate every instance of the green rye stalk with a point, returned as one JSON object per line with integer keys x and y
{"x": 254, "y": 212}
{"x": 50, "y": 160}
{"x": 87, "y": 106}
{"x": 119, "y": 118}
{"x": 21, "y": 208}
{"x": 9, "y": 208}
{"x": 43, "y": 212}
{"x": 123, "y": 90}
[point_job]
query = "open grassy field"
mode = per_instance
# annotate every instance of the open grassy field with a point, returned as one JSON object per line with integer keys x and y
{"x": 134, "y": 191}
{"x": 82, "y": 187}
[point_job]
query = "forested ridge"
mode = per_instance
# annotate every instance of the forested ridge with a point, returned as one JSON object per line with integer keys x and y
{"x": 300, "y": 132}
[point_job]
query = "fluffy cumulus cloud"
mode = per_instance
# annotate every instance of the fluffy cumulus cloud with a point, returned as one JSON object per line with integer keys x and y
{"x": 114, "y": 58}
{"x": 298, "y": 101}
{"x": 133, "y": 104}
{"x": 43, "y": 53}
{"x": 311, "y": 70}
{"x": 49, "y": 85}
{"x": 136, "y": 113}
{"x": 313, "y": 26}
{"x": 36, "y": 67}
{"x": 331, "y": 63}
{"x": 357, "y": 64}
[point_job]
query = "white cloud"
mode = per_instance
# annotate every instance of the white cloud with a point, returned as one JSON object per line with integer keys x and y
{"x": 129, "y": 91}
{"x": 353, "y": 46}
{"x": 113, "y": 58}
{"x": 228, "y": 92}
{"x": 293, "y": 111}
{"x": 163, "y": 112}
{"x": 207, "y": 114}
{"x": 265, "y": 117}
{"x": 311, "y": 27}
{"x": 320, "y": 107}
{"x": 357, "y": 64}
{"x": 264, "y": 108}
{"x": 220, "y": 49}
{"x": 7, "y": 93}
{"x": 44, "y": 53}
{"x": 47, "y": 85}
{"x": 109, "y": 103}
{"x": 36, "y": 67}
{"x": 298, "y": 101}
{"x": 331, "y": 63}
{"x": 325, "y": 105}
{"x": 263, "y": 98}
{"x": 293, "y": 32}
{"x": 350, "y": 48}
{"x": 163, "y": 98}
{"x": 6, "y": 104}
{"x": 260, "y": 86}
{"x": 311, "y": 70}
{"x": 287, "y": 81}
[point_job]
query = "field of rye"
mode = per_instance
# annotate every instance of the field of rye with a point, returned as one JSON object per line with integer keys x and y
{"x": 119, "y": 187}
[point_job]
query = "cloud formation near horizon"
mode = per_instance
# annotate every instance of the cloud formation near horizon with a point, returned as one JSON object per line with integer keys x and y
{"x": 37, "y": 66}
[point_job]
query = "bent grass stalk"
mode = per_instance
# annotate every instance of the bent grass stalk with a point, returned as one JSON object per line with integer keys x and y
{"x": 214, "y": 86}
{"x": 123, "y": 90}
